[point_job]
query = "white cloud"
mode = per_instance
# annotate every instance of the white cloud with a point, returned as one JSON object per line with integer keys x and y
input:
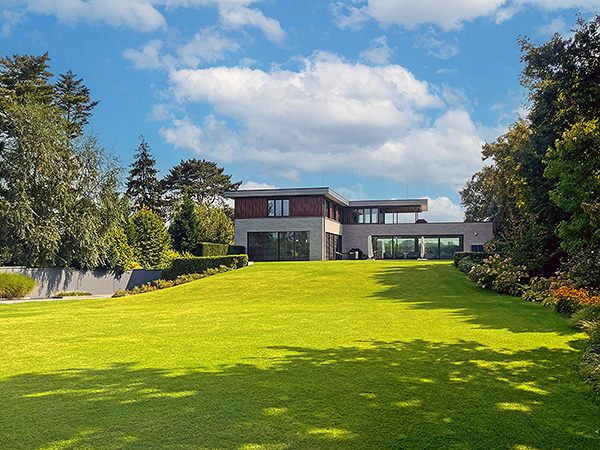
{"x": 557, "y": 25}
{"x": 329, "y": 115}
{"x": 207, "y": 46}
{"x": 441, "y": 209}
{"x": 435, "y": 47}
{"x": 236, "y": 16}
{"x": 253, "y": 185}
{"x": 141, "y": 15}
{"x": 355, "y": 192}
{"x": 378, "y": 53}
{"x": 149, "y": 56}
{"x": 447, "y": 15}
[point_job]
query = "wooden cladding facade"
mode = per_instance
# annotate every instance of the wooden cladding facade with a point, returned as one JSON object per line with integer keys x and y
{"x": 300, "y": 206}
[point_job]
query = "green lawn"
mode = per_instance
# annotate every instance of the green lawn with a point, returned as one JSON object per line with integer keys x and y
{"x": 323, "y": 355}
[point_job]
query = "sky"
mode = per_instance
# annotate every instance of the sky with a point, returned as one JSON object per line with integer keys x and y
{"x": 377, "y": 99}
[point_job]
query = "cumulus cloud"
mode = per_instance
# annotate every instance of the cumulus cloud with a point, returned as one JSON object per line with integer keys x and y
{"x": 207, "y": 46}
{"x": 442, "y": 13}
{"x": 378, "y": 53}
{"x": 329, "y": 115}
{"x": 236, "y": 16}
{"x": 253, "y": 185}
{"x": 442, "y": 209}
{"x": 141, "y": 15}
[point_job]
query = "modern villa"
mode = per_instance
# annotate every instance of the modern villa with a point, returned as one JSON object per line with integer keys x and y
{"x": 319, "y": 224}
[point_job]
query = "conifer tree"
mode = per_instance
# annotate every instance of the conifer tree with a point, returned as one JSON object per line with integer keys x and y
{"x": 185, "y": 227}
{"x": 143, "y": 188}
{"x": 73, "y": 98}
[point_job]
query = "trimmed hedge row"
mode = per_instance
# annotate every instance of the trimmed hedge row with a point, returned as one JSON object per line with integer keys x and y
{"x": 200, "y": 264}
{"x": 14, "y": 285}
{"x": 212, "y": 249}
{"x": 476, "y": 257}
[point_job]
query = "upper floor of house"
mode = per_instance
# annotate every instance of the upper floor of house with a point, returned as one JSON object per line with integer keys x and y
{"x": 323, "y": 202}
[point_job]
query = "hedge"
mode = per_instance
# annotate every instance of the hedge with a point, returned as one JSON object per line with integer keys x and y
{"x": 199, "y": 264}
{"x": 14, "y": 285}
{"x": 212, "y": 249}
{"x": 236, "y": 250}
{"x": 476, "y": 257}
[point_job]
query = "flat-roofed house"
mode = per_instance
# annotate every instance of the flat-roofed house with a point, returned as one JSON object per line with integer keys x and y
{"x": 319, "y": 224}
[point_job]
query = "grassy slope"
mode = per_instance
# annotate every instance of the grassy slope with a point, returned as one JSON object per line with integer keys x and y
{"x": 331, "y": 355}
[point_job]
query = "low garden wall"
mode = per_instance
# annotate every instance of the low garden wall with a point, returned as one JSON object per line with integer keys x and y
{"x": 98, "y": 281}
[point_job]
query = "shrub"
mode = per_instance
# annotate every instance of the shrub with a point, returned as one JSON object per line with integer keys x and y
{"x": 499, "y": 275}
{"x": 212, "y": 249}
{"x": 466, "y": 264}
{"x": 236, "y": 250}
{"x": 476, "y": 257}
{"x": 200, "y": 264}
{"x": 14, "y": 285}
{"x": 569, "y": 300}
{"x": 71, "y": 293}
{"x": 163, "y": 284}
{"x": 151, "y": 241}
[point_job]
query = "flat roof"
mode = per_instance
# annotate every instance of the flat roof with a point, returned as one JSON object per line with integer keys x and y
{"x": 405, "y": 205}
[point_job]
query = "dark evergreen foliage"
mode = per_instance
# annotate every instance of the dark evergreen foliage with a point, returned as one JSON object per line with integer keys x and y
{"x": 201, "y": 180}
{"x": 143, "y": 188}
{"x": 73, "y": 97}
{"x": 184, "y": 229}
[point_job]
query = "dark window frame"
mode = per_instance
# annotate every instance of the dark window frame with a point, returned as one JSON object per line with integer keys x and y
{"x": 278, "y": 207}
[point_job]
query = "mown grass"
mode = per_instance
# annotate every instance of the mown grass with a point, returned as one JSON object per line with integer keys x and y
{"x": 323, "y": 355}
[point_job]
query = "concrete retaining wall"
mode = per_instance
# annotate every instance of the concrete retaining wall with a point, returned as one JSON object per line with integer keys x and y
{"x": 98, "y": 282}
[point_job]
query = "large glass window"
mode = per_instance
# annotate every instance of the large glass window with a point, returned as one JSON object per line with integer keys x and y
{"x": 365, "y": 215}
{"x": 405, "y": 247}
{"x": 278, "y": 207}
{"x": 278, "y": 246}
{"x": 409, "y": 247}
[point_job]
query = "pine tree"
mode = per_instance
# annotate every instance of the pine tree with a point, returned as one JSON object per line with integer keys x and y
{"x": 73, "y": 98}
{"x": 143, "y": 188}
{"x": 185, "y": 228}
{"x": 201, "y": 180}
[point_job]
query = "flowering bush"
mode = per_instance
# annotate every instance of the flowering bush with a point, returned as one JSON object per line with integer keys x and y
{"x": 499, "y": 275}
{"x": 542, "y": 289}
{"x": 163, "y": 284}
{"x": 569, "y": 299}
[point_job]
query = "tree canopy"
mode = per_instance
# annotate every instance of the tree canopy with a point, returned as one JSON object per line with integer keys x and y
{"x": 203, "y": 181}
{"x": 544, "y": 170}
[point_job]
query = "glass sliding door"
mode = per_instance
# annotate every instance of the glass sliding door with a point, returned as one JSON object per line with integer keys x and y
{"x": 405, "y": 247}
{"x": 279, "y": 246}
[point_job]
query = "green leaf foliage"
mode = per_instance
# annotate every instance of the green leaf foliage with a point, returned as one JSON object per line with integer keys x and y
{"x": 119, "y": 254}
{"x": 143, "y": 188}
{"x": 185, "y": 228}
{"x": 151, "y": 240}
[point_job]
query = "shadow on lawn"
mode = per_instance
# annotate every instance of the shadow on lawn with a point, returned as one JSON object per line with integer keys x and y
{"x": 414, "y": 395}
{"x": 441, "y": 286}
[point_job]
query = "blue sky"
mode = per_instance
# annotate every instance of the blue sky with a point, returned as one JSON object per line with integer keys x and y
{"x": 377, "y": 99}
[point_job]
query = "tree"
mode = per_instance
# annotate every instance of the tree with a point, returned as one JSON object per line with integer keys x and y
{"x": 150, "y": 240}
{"x": 143, "y": 188}
{"x": 185, "y": 228}
{"x": 216, "y": 224}
{"x": 25, "y": 76}
{"x": 119, "y": 254}
{"x": 201, "y": 180}
{"x": 53, "y": 195}
{"x": 73, "y": 97}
